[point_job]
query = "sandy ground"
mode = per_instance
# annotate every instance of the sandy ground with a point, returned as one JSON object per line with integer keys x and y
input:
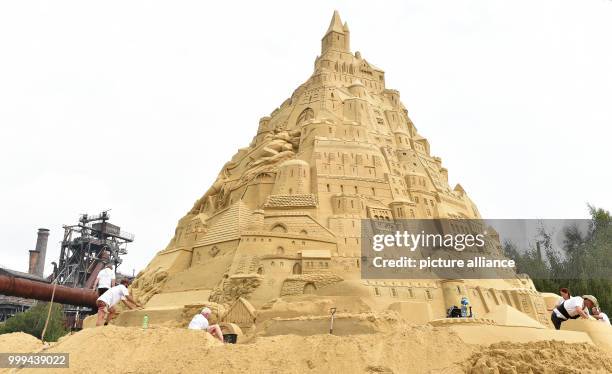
{"x": 409, "y": 349}
{"x": 19, "y": 342}
{"x": 539, "y": 358}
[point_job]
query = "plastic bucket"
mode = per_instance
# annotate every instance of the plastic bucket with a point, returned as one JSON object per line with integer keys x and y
{"x": 230, "y": 338}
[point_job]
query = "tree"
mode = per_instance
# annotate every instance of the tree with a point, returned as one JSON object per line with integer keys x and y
{"x": 585, "y": 266}
{"x": 33, "y": 320}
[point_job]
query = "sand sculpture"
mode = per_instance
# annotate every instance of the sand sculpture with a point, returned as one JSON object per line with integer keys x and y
{"x": 276, "y": 237}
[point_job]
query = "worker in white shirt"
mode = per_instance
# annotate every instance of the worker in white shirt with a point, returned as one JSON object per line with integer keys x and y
{"x": 565, "y": 294}
{"x": 572, "y": 308}
{"x": 600, "y": 316}
{"x": 105, "y": 279}
{"x": 200, "y": 322}
{"x": 106, "y": 303}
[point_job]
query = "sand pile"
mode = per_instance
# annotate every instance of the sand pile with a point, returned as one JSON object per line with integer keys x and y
{"x": 539, "y": 358}
{"x": 129, "y": 349}
{"x": 19, "y": 342}
{"x": 169, "y": 350}
{"x": 408, "y": 349}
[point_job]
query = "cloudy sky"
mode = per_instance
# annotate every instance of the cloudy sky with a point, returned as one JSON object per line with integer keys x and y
{"x": 134, "y": 106}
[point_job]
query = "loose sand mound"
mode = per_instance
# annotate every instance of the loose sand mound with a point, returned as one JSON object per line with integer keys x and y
{"x": 539, "y": 358}
{"x": 409, "y": 349}
{"x": 116, "y": 349}
{"x": 168, "y": 350}
{"x": 19, "y": 342}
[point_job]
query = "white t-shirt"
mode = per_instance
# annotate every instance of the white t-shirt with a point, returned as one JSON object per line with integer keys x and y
{"x": 604, "y": 318}
{"x": 572, "y": 305}
{"x": 105, "y": 278}
{"x": 198, "y": 322}
{"x": 114, "y": 295}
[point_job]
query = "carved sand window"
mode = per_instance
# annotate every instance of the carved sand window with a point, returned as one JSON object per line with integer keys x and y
{"x": 306, "y": 115}
{"x": 297, "y": 268}
{"x": 279, "y": 227}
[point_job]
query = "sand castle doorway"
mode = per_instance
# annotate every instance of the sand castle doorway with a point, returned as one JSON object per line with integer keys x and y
{"x": 297, "y": 268}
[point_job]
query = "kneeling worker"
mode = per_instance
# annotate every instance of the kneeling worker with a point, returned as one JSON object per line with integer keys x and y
{"x": 600, "y": 316}
{"x": 106, "y": 303}
{"x": 200, "y": 322}
{"x": 572, "y": 308}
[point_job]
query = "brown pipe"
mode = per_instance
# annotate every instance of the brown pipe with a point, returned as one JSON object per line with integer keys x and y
{"x": 12, "y": 285}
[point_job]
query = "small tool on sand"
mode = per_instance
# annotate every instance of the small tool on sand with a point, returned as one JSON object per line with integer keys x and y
{"x": 331, "y": 323}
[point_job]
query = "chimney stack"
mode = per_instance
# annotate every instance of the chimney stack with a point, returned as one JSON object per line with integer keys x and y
{"x": 37, "y": 256}
{"x": 33, "y": 261}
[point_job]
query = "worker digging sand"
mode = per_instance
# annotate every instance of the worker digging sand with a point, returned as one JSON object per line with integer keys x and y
{"x": 106, "y": 303}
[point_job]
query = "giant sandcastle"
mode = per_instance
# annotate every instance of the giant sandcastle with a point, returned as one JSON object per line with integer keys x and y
{"x": 277, "y": 235}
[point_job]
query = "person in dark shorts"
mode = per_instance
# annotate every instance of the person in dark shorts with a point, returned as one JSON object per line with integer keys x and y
{"x": 572, "y": 308}
{"x": 106, "y": 303}
{"x": 105, "y": 279}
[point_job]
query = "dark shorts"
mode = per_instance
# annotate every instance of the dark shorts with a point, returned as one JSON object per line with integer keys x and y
{"x": 101, "y": 291}
{"x": 556, "y": 320}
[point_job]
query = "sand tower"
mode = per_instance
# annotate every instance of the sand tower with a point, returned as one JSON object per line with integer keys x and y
{"x": 282, "y": 219}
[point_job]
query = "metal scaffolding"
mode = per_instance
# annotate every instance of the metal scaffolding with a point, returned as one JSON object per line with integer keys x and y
{"x": 87, "y": 247}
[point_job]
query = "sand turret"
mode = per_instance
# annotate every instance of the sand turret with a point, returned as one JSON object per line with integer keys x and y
{"x": 337, "y": 36}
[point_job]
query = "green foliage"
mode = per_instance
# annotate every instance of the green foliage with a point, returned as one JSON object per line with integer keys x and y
{"x": 584, "y": 269}
{"x": 33, "y": 320}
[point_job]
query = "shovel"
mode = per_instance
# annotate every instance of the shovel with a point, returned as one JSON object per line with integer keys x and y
{"x": 331, "y": 323}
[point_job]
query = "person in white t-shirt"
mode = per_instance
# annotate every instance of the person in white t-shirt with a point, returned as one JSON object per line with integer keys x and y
{"x": 106, "y": 303}
{"x": 572, "y": 308}
{"x": 600, "y": 316}
{"x": 105, "y": 279}
{"x": 200, "y": 322}
{"x": 565, "y": 294}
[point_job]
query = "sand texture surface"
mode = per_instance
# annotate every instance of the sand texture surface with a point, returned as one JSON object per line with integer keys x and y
{"x": 409, "y": 349}
{"x": 19, "y": 342}
{"x": 539, "y": 358}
